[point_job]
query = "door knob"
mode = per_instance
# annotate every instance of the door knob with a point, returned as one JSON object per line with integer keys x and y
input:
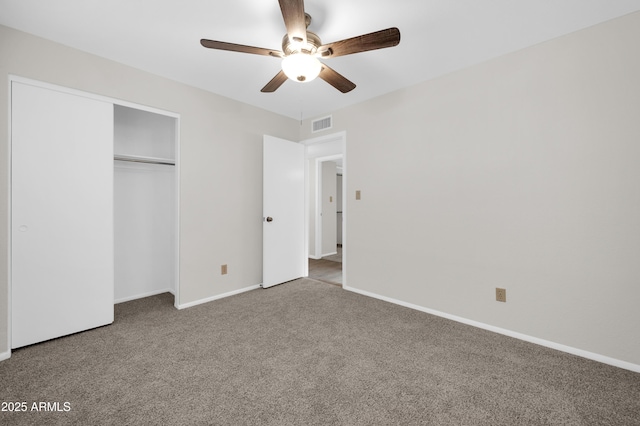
{"x": 269, "y": 219}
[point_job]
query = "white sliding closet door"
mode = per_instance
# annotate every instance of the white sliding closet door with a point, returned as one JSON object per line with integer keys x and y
{"x": 62, "y": 214}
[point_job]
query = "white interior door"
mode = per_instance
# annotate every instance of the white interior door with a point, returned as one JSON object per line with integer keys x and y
{"x": 284, "y": 255}
{"x": 61, "y": 214}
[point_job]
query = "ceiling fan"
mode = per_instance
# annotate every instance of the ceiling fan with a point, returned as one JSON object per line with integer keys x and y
{"x": 301, "y": 49}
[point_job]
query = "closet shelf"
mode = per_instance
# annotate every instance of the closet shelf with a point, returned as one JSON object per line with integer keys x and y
{"x": 142, "y": 159}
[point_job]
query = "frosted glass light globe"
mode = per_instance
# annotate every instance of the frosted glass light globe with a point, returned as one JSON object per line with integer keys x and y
{"x": 301, "y": 67}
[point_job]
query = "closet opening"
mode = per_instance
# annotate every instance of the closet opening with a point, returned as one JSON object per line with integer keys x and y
{"x": 145, "y": 204}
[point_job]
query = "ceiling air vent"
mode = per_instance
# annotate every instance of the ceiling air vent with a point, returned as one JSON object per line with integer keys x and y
{"x": 321, "y": 124}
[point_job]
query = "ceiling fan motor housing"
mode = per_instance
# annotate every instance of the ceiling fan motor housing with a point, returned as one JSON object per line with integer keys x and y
{"x": 311, "y": 48}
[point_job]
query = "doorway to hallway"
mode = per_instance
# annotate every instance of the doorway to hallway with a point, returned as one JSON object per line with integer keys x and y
{"x": 326, "y": 231}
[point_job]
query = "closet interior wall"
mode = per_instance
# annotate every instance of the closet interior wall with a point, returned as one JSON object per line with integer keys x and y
{"x": 144, "y": 203}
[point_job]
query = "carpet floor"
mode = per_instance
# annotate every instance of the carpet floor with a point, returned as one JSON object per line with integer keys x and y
{"x": 305, "y": 353}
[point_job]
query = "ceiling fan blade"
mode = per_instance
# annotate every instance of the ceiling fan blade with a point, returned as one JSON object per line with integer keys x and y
{"x": 221, "y": 45}
{"x": 294, "y": 20}
{"x": 372, "y": 41}
{"x": 275, "y": 83}
{"x": 336, "y": 80}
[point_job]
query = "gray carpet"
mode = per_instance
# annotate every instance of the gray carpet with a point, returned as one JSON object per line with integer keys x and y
{"x": 307, "y": 353}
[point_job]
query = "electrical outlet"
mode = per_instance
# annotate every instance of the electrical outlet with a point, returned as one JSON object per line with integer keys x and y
{"x": 501, "y": 295}
{"x": 358, "y": 194}
{"x": 223, "y": 269}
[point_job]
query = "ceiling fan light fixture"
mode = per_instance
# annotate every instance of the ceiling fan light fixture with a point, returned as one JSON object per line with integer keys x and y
{"x": 301, "y": 67}
{"x": 301, "y": 49}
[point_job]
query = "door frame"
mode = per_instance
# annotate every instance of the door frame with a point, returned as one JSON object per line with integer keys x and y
{"x": 18, "y": 79}
{"x": 319, "y": 148}
{"x": 319, "y": 200}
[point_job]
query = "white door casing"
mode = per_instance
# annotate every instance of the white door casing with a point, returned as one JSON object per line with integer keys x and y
{"x": 330, "y": 148}
{"x": 284, "y": 255}
{"x": 328, "y": 209}
{"x": 61, "y": 214}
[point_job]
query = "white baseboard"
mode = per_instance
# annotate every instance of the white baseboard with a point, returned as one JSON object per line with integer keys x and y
{"x": 5, "y": 355}
{"x": 563, "y": 348}
{"x": 219, "y": 296}
{"x": 324, "y": 255}
{"x": 140, "y": 296}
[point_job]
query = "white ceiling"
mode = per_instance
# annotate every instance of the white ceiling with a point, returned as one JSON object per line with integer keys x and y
{"x": 437, "y": 37}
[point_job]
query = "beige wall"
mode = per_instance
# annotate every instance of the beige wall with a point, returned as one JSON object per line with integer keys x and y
{"x": 522, "y": 173}
{"x": 221, "y": 159}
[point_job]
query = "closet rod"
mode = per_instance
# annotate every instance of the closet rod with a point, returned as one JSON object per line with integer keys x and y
{"x": 145, "y": 160}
